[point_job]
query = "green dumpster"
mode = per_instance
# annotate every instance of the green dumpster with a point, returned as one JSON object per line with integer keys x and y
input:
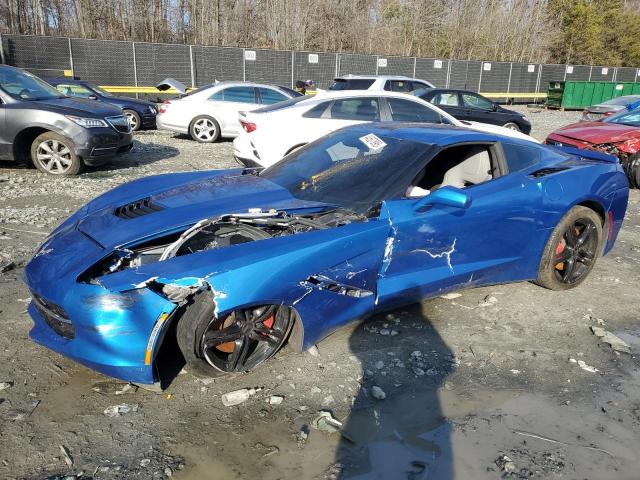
{"x": 578, "y": 95}
{"x": 554, "y": 94}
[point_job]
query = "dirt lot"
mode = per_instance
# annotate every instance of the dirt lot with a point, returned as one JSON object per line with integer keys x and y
{"x": 468, "y": 380}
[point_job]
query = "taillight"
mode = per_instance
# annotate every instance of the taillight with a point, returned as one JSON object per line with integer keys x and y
{"x": 164, "y": 106}
{"x": 248, "y": 126}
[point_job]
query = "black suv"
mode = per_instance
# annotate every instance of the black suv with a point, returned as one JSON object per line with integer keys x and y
{"x": 57, "y": 133}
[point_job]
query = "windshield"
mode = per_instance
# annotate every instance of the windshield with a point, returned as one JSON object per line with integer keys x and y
{"x": 351, "y": 168}
{"x": 631, "y": 118}
{"x": 280, "y": 105}
{"x": 102, "y": 91}
{"x": 351, "y": 84}
{"x": 22, "y": 85}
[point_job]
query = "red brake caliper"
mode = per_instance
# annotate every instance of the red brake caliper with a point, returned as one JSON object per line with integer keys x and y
{"x": 269, "y": 321}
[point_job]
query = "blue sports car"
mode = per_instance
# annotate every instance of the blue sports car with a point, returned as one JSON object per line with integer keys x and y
{"x": 235, "y": 263}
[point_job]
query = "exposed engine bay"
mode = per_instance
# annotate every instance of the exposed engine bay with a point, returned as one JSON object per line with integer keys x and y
{"x": 221, "y": 232}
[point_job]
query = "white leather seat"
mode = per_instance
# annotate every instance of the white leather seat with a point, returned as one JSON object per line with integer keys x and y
{"x": 475, "y": 169}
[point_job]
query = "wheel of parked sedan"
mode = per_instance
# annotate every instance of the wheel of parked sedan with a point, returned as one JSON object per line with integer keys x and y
{"x": 133, "y": 118}
{"x": 572, "y": 250}
{"x": 236, "y": 342}
{"x": 54, "y": 154}
{"x": 512, "y": 126}
{"x": 204, "y": 129}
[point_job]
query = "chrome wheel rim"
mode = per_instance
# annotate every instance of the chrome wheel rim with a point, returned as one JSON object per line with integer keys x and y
{"x": 132, "y": 119}
{"x": 204, "y": 129}
{"x": 512, "y": 126}
{"x": 54, "y": 156}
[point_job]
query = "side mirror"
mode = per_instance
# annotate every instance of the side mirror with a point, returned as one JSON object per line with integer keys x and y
{"x": 495, "y": 107}
{"x": 445, "y": 196}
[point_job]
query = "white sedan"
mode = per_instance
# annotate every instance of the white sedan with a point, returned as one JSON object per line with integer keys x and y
{"x": 277, "y": 130}
{"x": 211, "y": 112}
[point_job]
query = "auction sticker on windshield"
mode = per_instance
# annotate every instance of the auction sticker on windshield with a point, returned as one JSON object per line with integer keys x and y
{"x": 373, "y": 142}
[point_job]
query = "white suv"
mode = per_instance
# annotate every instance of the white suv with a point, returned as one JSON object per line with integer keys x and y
{"x": 390, "y": 83}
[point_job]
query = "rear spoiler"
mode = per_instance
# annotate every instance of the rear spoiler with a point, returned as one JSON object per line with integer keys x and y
{"x": 587, "y": 154}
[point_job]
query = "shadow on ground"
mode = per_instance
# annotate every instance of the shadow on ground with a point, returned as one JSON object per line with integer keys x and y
{"x": 403, "y": 435}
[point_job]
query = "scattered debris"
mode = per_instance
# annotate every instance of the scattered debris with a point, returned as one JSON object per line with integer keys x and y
{"x": 145, "y": 462}
{"x": 5, "y": 385}
{"x": 122, "y": 409}
{"x": 488, "y": 301}
{"x": 67, "y": 456}
{"x": 237, "y": 397}
{"x": 325, "y": 422}
{"x": 378, "y": 393}
{"x": 615, "y": 342}
{"x": 379, "y": 365}
{"x": 275, "y": 399}
{"x": 583, "y": 365}
{"x": 5, "y": 267}
{"x": 505, "y": 464}
{"x": 451, "y": 296}
{"x": 313, "y": 351}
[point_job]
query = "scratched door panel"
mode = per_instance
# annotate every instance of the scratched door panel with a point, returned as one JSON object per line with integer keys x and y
{"x": 446, "y": 248}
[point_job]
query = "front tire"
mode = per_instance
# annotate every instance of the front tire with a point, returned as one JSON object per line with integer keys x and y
{"x": 133, "y": 118}
{"x": 204, "y": 129}
{"x": 54, "y": 154}
{"x": 512, "y": 126}
{"x": 632, "y": 169}
{"x": 572, "y": 250}
{"x": 234, "y": 343}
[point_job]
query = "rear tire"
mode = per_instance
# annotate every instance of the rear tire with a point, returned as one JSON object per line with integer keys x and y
{"x": 235, "y": 343}
{"x": 512, "y": 126}
{"x": 572, "y": 250}
{"x": 204, "y": 129}
{"x": 54, "y": 154}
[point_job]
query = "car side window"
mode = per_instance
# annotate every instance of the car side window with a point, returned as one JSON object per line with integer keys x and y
{"x": 520, "y": 157}
{"x": 317, "y": 111}
{"x": 361, "y": 109}
{"x": 407, "y": 111}
{"x": 235, "y": 94}
{"x": 447, "y": 99}
{"x": 269, "y": 96}
{"x": 74, "y": 90}
{"x": 398, "y": 86}
{"x": 476, "y": 101}
{"x": 414, "y": 85}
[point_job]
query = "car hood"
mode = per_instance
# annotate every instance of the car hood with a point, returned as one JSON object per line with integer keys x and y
{"x": 605, "y": 108}
{"x": 122, "y": 101}
{"x": 174, "y": 202}
{"x": 599, "y": 132}
{"x": 74, "y": 106}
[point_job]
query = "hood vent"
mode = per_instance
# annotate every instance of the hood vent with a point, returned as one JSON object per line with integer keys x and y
{"x": 543, "y": 172}
{"x": 136, "y": 209}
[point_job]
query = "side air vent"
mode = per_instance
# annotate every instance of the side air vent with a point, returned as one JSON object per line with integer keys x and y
{"x": 543, "y": 172}
{"x": 137, "y": 209}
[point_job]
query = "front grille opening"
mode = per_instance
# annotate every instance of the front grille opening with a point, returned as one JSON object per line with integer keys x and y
{"x": 55, "y": 317}
{"x": 137, "y": 209}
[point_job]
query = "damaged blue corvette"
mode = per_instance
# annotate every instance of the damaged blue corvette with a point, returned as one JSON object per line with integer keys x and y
{"x": 236, "y": 263}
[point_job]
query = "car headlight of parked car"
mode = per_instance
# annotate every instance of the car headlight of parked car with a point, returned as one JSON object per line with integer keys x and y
{"x": 88, "y": 122}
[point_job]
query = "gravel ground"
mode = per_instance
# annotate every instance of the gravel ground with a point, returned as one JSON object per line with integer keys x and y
{"x": 478, "y": 386}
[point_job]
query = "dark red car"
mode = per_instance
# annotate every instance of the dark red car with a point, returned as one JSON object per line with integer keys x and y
{"x": 617, "y": 135}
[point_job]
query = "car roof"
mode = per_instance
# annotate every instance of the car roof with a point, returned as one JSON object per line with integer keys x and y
{"x": 233, "y": 83}
{"x": 332, "y": 94}
{"x": 374, "y": 77}
{"x": 426, "y": 133}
